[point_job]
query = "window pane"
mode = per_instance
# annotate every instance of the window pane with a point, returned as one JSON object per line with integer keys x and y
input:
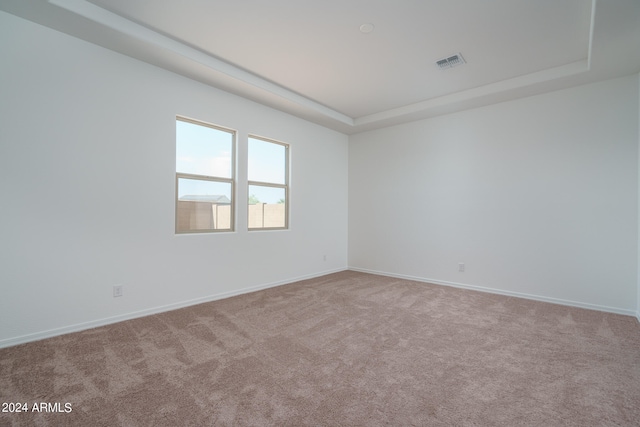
{"x": 201, "y": 150}
{"x": 267, "y": 207}
{"x": 203, "y": 205}
{"x": 267, "y": 161}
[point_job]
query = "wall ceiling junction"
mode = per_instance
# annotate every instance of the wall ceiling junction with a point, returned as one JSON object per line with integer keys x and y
{"x": 357, "y": 65}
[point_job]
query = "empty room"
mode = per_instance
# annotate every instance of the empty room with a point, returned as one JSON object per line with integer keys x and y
{"x": 305, "y": 213}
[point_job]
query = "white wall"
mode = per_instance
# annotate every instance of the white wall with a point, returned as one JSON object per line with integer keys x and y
{"x": 638, "y": 292}
{"x": 538, "y": 197}
{"x": 87, "y": 170}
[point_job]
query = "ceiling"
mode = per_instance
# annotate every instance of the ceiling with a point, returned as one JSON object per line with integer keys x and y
{"x": 311, "y": 59}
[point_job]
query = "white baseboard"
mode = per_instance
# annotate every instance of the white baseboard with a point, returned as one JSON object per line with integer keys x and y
{"x": 506, "y": 293}
{"x": 9, "y": 342}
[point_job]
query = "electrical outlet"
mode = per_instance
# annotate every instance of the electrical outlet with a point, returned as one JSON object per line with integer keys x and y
{"x": 324, "y": 257}
{"x": 117, "y": 291}
{"x": 461, "y": 267}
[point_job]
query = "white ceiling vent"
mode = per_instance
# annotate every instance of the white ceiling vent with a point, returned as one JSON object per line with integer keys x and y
{"x": 450, "y": 61}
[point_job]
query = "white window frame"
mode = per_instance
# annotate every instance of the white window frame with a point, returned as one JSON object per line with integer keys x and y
{"x": 284, "y": 186}
{"x": 231, "y": 180}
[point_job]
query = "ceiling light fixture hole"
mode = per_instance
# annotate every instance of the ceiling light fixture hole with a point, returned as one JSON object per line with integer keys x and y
{"x": 366, "y": 28}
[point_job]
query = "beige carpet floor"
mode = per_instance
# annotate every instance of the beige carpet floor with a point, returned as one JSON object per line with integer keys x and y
{"x": 346, "y": 349}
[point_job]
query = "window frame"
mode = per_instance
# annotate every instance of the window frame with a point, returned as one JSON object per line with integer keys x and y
{"x": 231, "y": 180}
{"x": 284, "y": 186}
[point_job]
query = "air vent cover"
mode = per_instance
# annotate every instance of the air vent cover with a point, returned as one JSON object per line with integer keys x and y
{"x": 450, "y": 61}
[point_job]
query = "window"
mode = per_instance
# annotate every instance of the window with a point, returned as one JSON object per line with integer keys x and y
{"x": 205, "y": 159}
{"x": 268, "y": 179}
